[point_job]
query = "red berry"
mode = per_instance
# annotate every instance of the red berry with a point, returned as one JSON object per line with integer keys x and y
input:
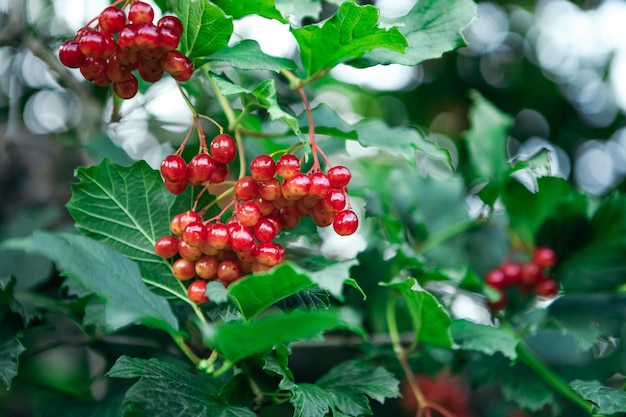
{"x": 147, "y": 36}
{"x": 111, "y": 20}
{"x": 149, "y": 70}
{"x": 126, "y": 38}
{"x": 287, "y": 166}
{"x": 289, "y": 217}
{"x": 173, "y": 168}
{"x": 110, "y": 45}
{"x": 241, "y": 238}
{"x": 266, "y": 207}
{"x": 531, "y": 274}
{"x": 547, "y": 288}
{"x": 270, "y": 190}
{"x": 126, "y": 57}
{"x": 92, "y": 44}
{"x": 296, "y": 187}
{"x": 246, "y": 188}
{"x": 116, "y": 71}
{"x": 200, "y": 169}
{"x": 186, "y": 73}
{"x": 166, "y": 247}
{"x": 181, "y": 220}
{"x": 197, "y": 292}
{"x": 218, "y": 235}
{"x": 334, "y": 201}
{"x": 189, "y": 252}
{"x": 194, "y": 234}
{"x": 320, "y": 185}
{"x": 70, "y": 55}
{"x": 321, "y": 216}
{"x": 173, "y": 23}
{"x": 268, "y": 254}
{"x": 228, "y": 271}
{"x": 174, "y": 62}
{"x": 512, "y": 272}
{"x": 495, "y": 278}
{"x": 263, "y": 168}
{"x": 184, "y": 269}
{"x": 339, "y": 176}
{"x": 140, "y": 12}
{"x": 220, "y": 171}
{"x": 94, "y": 69}
{"x": 247, "y": 213}
{"x": 544, "y": 257}
{"x": 176, "y": 187}
{"x": 206, "y": 267}
{"x": 345, "y": 223}
{"x": 126, "y": 89}
{"x": 223, "y": 148}
{"x": 265, "y": 230}
{"x": 168, "y": 39}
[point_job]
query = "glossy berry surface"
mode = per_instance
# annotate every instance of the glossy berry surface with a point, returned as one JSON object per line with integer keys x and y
{"x": 196, "y": 292}
{"x": 173, "y": 168}
{"x": 339, "y": 176}
{"x": 126, "y": 89}
{"x": 140, "y": 12}
{"x": 70, "y": 54}
{"x": 287, "y": 166}
{"x": 166, "y": 247}
{"x": 263, "y": 168}
{"x": 345, "y": 223}
{"x": 111, "y": 20}
{"x": 223, "y": 148}
{"x": 547, "y": 288}
{"x": 200, "y": 169}
{"x": 544, "y": 257}
{"x": 184, "y": 269}
{"x": 495, "y": 278}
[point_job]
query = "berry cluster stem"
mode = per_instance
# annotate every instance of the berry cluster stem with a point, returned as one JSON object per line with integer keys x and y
{"x": 424, "y": 407}
{"x": 314, "y": 147}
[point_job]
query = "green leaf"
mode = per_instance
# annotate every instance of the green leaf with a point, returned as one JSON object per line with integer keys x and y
{"x": 352, "y": 31}
{"x": 431, "y": 28}
{"x": 241, "y": 8}
{"x": 106, "y": 273}
{"x": 240, "y": 340}
{"x": 216, "y": 292}
{"x": 360, "y": 378}
{"x": 431, "y": 323}
{"x": 607, "y": 401}
{"x": 485, "y": 339}
{"x": 207, "y": 29}
{"x": 527, "y": 210}
{"x": 486, "y": 139}
{"x": 247, "y": 55}
{"x": 165, "y": 390}
{"x": 598, "y": 267}
{"x": 128, "y": 208}
{"x": 312, "y": 299}
{"x": 263, "y": 95}
{"x": 309, "y": 400}
{"x": 609, "y": 221}
{"x": 257, "y": 292}
{"x": 400, "y": 142}
{"x": 9, "y": 360}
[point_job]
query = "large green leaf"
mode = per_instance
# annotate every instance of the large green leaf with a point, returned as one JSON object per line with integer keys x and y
{"x": 9, "y": 360}
{"x": 431, "y": 28}
{"x": 485, "y": 339}
{"x": 527, "y": 210}
{"x": 431, "y": 323}
{"x": 240, "y": 340}
{"x": 247, "y": 55}
{"x": 165, "y": 390}
{"x": 128, "y": 208}
{"x": 609, "y": 221}
{"x": 400, "y": 142}
{"x": 606, "y": 401}
{"x": 106, "y": 273}
{"x": 207, "y": 29}
{"x": 352, "y": 31}
{"x": 344, "y": 389}
{"x": 240, "y": 8}
{"x": 486, "y": 139}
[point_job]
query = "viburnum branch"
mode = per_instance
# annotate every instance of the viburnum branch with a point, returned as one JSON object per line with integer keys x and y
{"x": 186, "y": 349}
{"x": 214, "y": 202}
{"x": 215, "y": 122}
{"x": 309, "y": 114}
{"x": 242, "y": 155}
{"x": 180, "y": 149}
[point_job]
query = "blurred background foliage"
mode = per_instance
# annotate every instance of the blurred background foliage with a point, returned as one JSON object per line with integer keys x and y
{"x": 558, "y": 67}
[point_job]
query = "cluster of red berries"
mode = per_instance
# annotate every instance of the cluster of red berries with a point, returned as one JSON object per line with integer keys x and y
{"x": 109, "y": 52}
{"x": 210, "y": 166}
{"x": 526, "y": 277}
{"x": 263, "y": 205}
{"x": 216, "y": 251}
